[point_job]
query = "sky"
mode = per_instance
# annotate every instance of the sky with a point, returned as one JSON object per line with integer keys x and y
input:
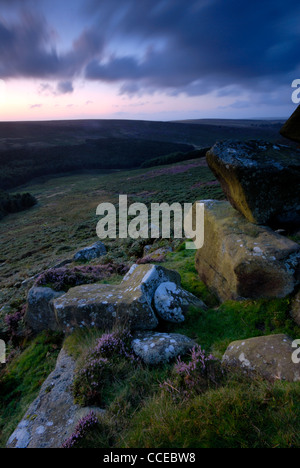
{"x": 148, "y": 59}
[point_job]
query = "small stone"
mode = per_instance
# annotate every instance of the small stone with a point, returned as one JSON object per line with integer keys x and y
{"x": 166, "y": 346}
{"x": 90, "y": 253}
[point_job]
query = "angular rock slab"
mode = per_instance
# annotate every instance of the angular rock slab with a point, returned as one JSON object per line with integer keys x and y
{"x": 268, "y": 356}
{"x": 261, "y": 180}
{"x": 90, "y": 253}
{"x": 160, "y": 348}
{"x": 52, "y": 417}
{"x": 102, "y": 305}
{"x": 40, "y": 312}
{"x": 172, "y": 302}
{"x": 241, "y": 260}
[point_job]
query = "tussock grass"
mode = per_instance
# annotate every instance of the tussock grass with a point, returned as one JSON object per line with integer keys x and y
{"x": 21, "y": 379}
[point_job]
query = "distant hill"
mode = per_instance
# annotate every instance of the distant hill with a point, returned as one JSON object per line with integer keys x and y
{"x": 34, "y": 149}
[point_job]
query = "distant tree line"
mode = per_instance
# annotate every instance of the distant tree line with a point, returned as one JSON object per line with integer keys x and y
{"x": 175, "y": 158}
{"x": 14, "y": 203}
{"x": 18, "y": 166}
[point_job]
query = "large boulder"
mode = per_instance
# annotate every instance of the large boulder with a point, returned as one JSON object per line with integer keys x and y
{"x": 40, "y": 312}
{"x": 52, "y": 417}
{"x": 160, "y": 348}
{"x": 242, "y": 260}
{"x": 296, "y": 309}
{"x": 268, "y": 356}
{"x": 147, "y": 278}
{"x": 172, "y": 302}
{"x": 102, "y": 305}
{"x": 90, "y": 253}
{"x": 291, "y": 128}
{"x": 261, "y": 180}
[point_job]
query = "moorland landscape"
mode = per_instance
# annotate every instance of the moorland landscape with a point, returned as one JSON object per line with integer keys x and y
{"x": 64, "y": 366}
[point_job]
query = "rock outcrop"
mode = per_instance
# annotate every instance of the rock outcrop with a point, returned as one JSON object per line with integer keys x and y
{"x": 291, "y": 128}
{"x": 261, "y": 180}
{"x": 102, "y": 305}
{"x": 40, "y": 312}
{"x": 242, "y": 260}
{"x": 90, "y": 253}
{"x": 268, "y": 356}
{"x": 172, "y": 302}
{"x": 158, "y": 348}
{"x": 52, "y": 417}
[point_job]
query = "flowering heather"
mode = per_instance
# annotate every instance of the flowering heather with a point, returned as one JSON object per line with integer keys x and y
{"x": 112, "y": 344}
{"x": 192, "y": 376}
{"x": 99, "y": 366}
{"x": 150, "y": 259}
{"x": 82, "y": 428}
{"x": 62, "y": 279}
{"x": 13, "y": 320}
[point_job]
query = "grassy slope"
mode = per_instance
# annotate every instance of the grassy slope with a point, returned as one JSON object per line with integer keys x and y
{"x": 139, "y": 414}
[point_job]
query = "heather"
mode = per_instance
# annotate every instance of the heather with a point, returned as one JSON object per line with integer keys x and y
{"x": 62, "y": 279}
{"x": 82, "y": 428}
{"x": 195, "y": 376}
{"x": 105, "y": 363}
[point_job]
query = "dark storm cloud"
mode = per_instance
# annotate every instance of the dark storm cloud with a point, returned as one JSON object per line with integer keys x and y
{"x": 204, "y": 44}
{"x": 192, "y": 47}
{"x": 28, "y": 49}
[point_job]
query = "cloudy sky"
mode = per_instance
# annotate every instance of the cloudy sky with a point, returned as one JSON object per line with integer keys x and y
{"x": 148, "y": 59}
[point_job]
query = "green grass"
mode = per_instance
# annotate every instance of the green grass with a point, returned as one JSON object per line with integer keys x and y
{"x": 249, "y": 414}
{"x": 21, "y": 380}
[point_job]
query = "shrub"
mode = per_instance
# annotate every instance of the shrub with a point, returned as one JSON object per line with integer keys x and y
{"x": 82, "y": 428}
{"x": 13, "y": 320}
{"x": 62, "y": 279}
{"x": 193, "y": 377}
{"x": 102, "y": 365}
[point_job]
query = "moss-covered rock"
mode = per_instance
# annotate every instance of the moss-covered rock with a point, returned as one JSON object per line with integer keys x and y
{"x": 172, "y": 302}
{"x": 268, "y": 356}
{"x": 242, "y": 260}
{"x": 260, "y": 179}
